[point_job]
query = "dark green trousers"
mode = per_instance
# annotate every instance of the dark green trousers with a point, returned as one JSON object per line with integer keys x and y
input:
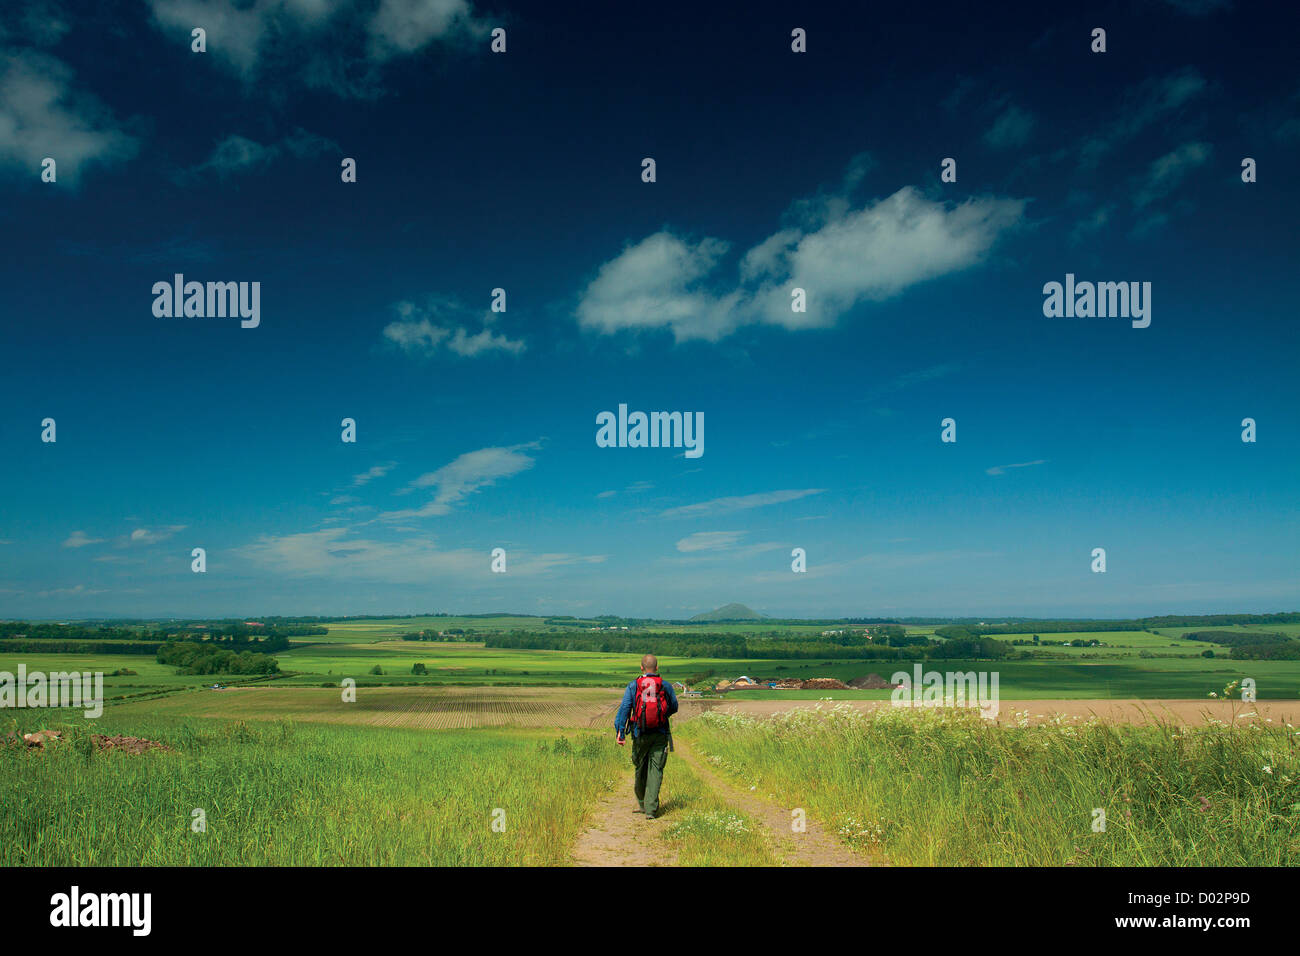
{"x": 649, "y": 754}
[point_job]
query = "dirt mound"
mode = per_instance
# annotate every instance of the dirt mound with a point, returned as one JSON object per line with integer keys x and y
{"x": 824, "y": 683}
{"x": 41, "y": 738}
{"x": 871, "y": 682}
{"x": 131, "y": 745}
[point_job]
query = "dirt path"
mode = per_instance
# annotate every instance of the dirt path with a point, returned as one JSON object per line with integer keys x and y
{"x": 619, "y": 837}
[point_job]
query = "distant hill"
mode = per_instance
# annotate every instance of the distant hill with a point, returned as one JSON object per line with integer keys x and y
{"x": 730, "y": 612}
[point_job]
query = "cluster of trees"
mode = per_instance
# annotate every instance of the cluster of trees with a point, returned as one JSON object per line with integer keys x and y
{"x": 1288, "y": 651}
{"x": 1236, "y": 638}
{"x": 10, "y": 630}
{"x": 269, "y": 636}
{"x": 80, "y": 647}
{"x": 190, "y": 657}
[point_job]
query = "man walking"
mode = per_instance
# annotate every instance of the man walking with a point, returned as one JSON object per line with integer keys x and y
{"x": 647, "y": 704}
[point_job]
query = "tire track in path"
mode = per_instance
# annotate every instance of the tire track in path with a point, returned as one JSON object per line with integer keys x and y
{"x": 816, "y": 846}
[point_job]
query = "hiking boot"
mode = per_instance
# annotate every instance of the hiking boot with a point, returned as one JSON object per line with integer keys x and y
{"x": 639, "y": 810}
{"x": 649, "y": 816}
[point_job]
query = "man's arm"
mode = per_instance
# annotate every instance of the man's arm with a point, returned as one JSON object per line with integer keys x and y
{"x": 624, "y": 710}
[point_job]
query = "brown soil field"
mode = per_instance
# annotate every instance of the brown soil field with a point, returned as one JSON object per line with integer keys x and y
{"x": 1012, "y": 712}
{"x": 432, "y": 708}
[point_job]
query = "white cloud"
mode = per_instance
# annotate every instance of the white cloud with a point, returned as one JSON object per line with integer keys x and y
{"x": 1010, "y": 129}
{"x": 710, "y": 541}
{"x": 721, "y": 506}
{"x": 329, "y": 44}
{"x": 416, "y": 332}
{"x": 41, "y": 114}
{"x": 404, "y": 26}
{"x": 841, "y": 257}
{"x": 334, "y": 553}
{"x": 1149, "y": 102}
{"x": 1165, "y": 174}
{"x": 464, "y": 476}
{"x": 79, "y": 539}
{"x": 239, "y": 154}
{"x": 1002, "y": 469}
{"x": 375, "y": 471}
{"x": 152, "y": 535}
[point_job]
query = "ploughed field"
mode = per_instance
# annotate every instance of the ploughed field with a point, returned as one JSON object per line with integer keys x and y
{"x": 429, "y": 708}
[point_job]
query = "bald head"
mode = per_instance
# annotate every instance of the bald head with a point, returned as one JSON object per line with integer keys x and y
{"x": 649, "y": 664}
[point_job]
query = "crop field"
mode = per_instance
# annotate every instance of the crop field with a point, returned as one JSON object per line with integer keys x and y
{"x": 429, "y": 708}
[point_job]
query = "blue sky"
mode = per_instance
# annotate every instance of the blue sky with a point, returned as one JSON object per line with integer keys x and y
{"x": 523, "y": 171}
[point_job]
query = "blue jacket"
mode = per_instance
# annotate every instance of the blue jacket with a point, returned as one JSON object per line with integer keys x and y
{"x": 625, "y": 708}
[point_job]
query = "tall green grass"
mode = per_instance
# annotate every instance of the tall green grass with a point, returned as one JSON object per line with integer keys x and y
{"x": 943, "y": 787}
{"x": 282, "y": 794}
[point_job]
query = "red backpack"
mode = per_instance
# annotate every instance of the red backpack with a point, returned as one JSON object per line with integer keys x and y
{"x": 650, "y": 704}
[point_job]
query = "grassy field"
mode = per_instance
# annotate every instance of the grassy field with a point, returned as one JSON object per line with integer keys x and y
{"x": 288, "y": 772}
{"x": 287, "y": 794}
{"x": 947, "y": 789}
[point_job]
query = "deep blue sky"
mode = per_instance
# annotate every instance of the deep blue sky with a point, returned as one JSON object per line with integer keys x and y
{"x": 523, "y": 171}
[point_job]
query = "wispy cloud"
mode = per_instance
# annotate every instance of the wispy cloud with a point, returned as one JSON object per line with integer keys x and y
{"x": 238, "y": 154}
{"x": 425, "y": 331}
{"x": 147, "y": 536}
{"x": 79, "y": 539}
{"x": 722, "y": 506}
{"x": 1002, "y": 469}
{"x": 1010, "y": 129}
{"x": 464, "y": 476}
{"x": 1166, "y": 173}
{"x": 1149, "y": 102}
{"x": 710, "y": 541}
{"x": 375, "y": 471}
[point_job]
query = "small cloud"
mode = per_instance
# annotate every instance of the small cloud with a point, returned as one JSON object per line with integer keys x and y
{"x": 1011, "y": 129}
{"x": 1002, "y": 469}
{"x": 710, "y": 541}
{"x": 377, "y": 471}
{"x": 721, "y": 506}
{"x": 464, "y": 476}
{"x": 148, "y": 536}
{"x": 238, "y": 154}
{"x": 79, "y": 539}
{"x": 424, "y": 331}
{"x": 1166, "y": 173}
